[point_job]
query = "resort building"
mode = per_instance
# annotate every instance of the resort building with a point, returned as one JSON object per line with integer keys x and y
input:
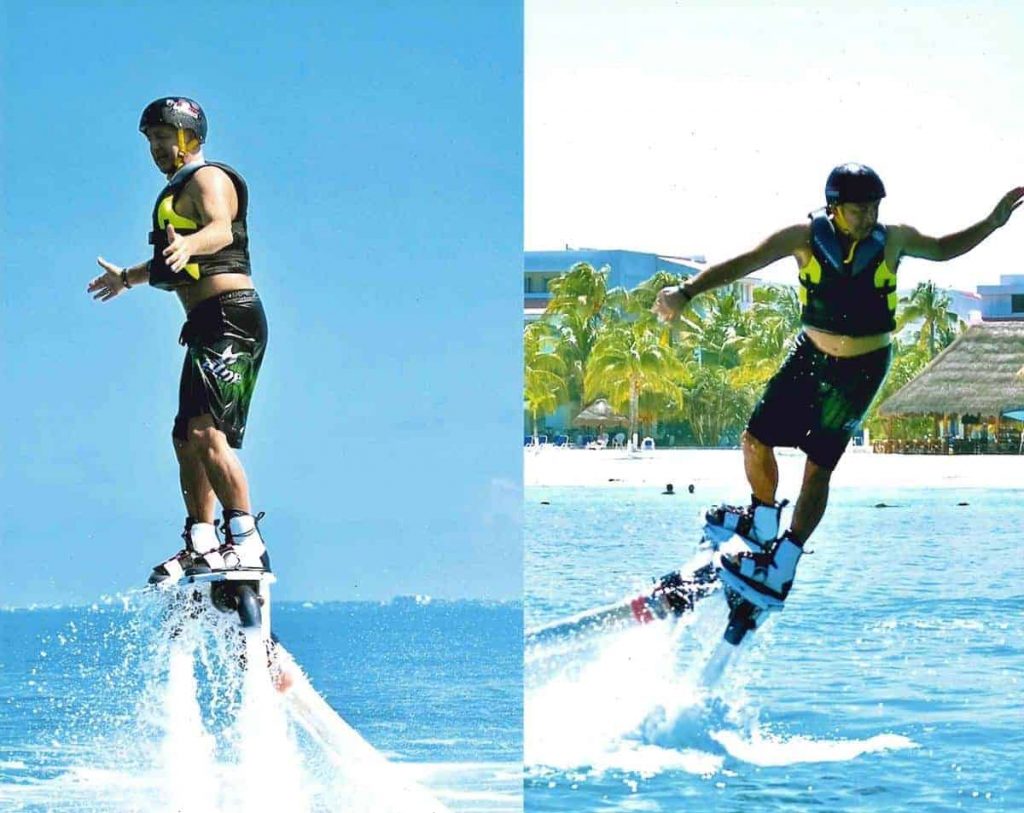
{"x": 975, "y": 387}
{"x": 965, "y": 304}
{"x": 1005, "y": 300}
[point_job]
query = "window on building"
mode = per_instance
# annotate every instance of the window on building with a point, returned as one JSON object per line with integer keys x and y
{"x": 1016, "y": 303}
{"x": 529, "y": 285}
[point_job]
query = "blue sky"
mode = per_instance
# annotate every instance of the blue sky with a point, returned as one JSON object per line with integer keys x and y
{"x": 382, "y": 144}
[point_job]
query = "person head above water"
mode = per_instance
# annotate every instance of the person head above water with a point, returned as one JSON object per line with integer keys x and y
{"x": 175, "y": 127}
{"x": 852, "y": 194}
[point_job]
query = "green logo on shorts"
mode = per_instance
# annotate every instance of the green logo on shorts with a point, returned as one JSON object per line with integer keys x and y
{"x": 219, "y": 366}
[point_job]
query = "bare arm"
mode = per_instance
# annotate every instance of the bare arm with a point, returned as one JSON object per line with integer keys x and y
{"x": 783, "y": 243}
{"x": 114, "y": 278}
{"x": 914, "y": 244}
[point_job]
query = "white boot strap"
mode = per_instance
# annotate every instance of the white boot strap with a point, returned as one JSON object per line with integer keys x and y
{"x": 174, "y": 569}
{"x": 766, "y": 522}
{"x": 241, "y": 526}
{"x": 216, "y": 560}
{"x": 203, "y": 536}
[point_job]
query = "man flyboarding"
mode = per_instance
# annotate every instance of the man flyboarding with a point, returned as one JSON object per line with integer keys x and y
{"x": 847, "y": 272}
{"x": 201, "y": 252}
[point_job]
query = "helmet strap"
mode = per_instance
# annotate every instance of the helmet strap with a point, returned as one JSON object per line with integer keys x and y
{"x": 840, "y": 220}
{"x": 184, "y": 147}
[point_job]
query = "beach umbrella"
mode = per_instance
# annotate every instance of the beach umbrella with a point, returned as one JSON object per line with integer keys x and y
{"x": 599, "y": 413}
{"x": 1014, "y": 414}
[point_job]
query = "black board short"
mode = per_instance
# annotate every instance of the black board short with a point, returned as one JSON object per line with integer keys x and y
{"x": 816, "y": 402}
{"x": 225, "y": 337}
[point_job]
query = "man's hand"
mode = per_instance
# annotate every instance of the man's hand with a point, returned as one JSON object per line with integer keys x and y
{"x": 1010, "y": 201}
{"x": 108, "y": 284}
{"x": 669, "y": 302}
{"x": 178, "y": 251}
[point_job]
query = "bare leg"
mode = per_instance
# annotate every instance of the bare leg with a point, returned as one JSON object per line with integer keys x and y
{"x": 810, "y": 506}
{"x": 222, "y": 467}
{"x": 195, "y": 485}
{"x": 761, "y": 467}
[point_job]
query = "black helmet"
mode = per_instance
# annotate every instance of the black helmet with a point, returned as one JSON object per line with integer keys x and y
{"x": 177, "y": 111}
{"x": 853, "y": 183}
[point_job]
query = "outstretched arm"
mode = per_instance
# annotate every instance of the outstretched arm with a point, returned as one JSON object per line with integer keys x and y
{"x": 783, "y": 243}
{"x": 939, "y": 249}
{"x": 115, "y": 279}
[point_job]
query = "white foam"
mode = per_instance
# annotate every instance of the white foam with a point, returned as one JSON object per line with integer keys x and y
{"x": 210, "y": 734}
{"x": 766, "y": 750}
{"x": 185, "y": 749}
{"x": 585, "y": 713}
{"x": 660, "y": 698}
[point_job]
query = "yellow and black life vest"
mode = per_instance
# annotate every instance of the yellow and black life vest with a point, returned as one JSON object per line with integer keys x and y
{"x": 232, "y": 259}
{"x": 846, "y": 287}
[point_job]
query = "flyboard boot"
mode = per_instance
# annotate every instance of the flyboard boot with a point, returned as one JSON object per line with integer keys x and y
{"x": 737, "y": 534}
{"x": 239, "y": 572}
{"x": 200, "y": 539}
{"x": 764, "y": 578}
{"x": 758, "y": 522}
{"x": 243, "y": 547}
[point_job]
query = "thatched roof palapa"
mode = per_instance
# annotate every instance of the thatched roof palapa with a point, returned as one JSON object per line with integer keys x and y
{"x": 981, "y": 373}
{"x": 599, "y": 413}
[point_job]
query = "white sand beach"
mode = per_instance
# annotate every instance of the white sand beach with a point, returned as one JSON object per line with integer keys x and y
{"x": 722, "y": 469}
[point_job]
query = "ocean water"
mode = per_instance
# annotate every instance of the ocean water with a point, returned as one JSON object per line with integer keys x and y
{"x": 893, "y": 680}
{"x": 123, "y": 707}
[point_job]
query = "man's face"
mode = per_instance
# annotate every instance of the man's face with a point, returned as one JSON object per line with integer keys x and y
{"x": 163, "y": 146}
{"x": 857, "y": 219}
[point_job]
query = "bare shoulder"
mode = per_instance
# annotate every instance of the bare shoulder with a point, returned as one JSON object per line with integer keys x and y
{"x": 896, "y": 233}
{"x": 211, "y": 192}
{"x": 903, "y": 239}
{"x": 210, "y": 177}
{"x": 792, "y": 240}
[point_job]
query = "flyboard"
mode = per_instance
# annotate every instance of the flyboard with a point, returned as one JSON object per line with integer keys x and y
{"x": 244, "y": 591}
{"x": 674, "y": 595}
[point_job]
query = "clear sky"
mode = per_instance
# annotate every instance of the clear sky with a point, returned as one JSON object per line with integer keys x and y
{"x": 382, "y": 144}
{"x": 700, "y": 127}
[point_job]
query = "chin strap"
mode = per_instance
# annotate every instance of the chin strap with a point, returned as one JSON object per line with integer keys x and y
{"x": 184, "y": 147}
{"x": 844, "y": 227}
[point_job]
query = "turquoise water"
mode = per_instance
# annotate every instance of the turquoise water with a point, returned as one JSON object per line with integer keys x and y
{"x": 892, "y": 681}
{"x": 85, "y": 701}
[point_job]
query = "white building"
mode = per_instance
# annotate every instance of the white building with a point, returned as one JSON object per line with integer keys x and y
{"x": 1005, "y": 300}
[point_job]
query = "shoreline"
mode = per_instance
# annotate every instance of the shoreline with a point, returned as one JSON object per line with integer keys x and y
{"x": 723, "y": 469}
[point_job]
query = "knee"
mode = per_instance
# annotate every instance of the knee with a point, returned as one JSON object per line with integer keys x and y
{"x": 203, "y": 439}
{"x": 749, "y": 442}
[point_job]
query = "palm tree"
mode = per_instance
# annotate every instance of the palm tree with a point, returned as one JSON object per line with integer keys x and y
{"x": 630, "y": 359}
{"x": 767, "y": 332}
{"x": 581, "y": 287}
{"x": 544, "y": 386}
{"x": 714, "y": 406}
{"x": 938, "y": 323}
{"x": 713, "y": 328}
{"x": 736, "y": 352}
{"x": 578, "y": 298}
